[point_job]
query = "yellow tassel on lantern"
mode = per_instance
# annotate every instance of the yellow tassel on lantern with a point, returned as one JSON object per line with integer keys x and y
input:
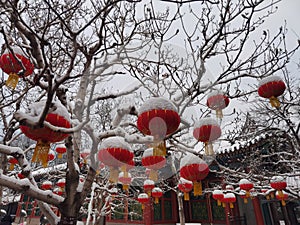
{"x": 143, "y": 206}
{"x": 160, "y": 149}
{"x": 274, "y": 102}
{"x": 125, "y": 187}
{"x": 231, "y": 205}
{"x": 156, "y": 200}
{"x": 113, "y": 175}
{"x": 219, "y": 113}
{"x": 11, "y": 166}
{"x": 219, "y": 202}
{"x": 268, "y": 197}
{"x": 153, "y": 175}
{"x": 40, "y": 153}
{"x": 186, "y": 196}
{"x": 245, "y": 200}
{"x": 197, "y": 188}
{"x": 280, "y": 193}
{"x": 208, "y": 149}
{"x": 12, "y": 80}
{"x": 59, "y": 155}
{"x": 223, "y": 204}
{"x": 283, "y": 203}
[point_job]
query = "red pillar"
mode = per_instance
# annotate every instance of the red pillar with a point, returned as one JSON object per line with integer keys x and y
{"x": 227, "y": 213}
{"x": 257, "y": 211}
{"x": 148, "y": 213}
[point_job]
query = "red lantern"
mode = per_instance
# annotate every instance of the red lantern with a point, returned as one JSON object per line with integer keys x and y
{"x": 125, "y": 180}
{"x": 13, "y": 161}
{"x": 282, "y": 197}
{"x": 16, "y": 64}
{"x": 148, "y": 186}
{"x": 153, "y": 162}
{"x": 115, "y": 152}
{"x": 185, "y": 186}
{"x": 61, "y": 183}
{"x": 51, "y": 155}
{"x": 158, "y": 117}
{"x": 143, "y": 198}
{"x": 59, "y": 117}
{"x": 216, "y": 100}
{"x": 218, "y": 195}
{"x": 194, "y": 169}
{"x": 271, "y": 87}
{"x": 60, "y": 150}
{"x": 46, "y": 185}
{"x": 21, "y": 176}
{"x": 156, "y": 194}
{"x": 58, "y": 191}
{"x": 229, "y": 198}
{"x": 246, "y": 185}
{"x": 207, "y": 130}
{"x": 278, "y": 183}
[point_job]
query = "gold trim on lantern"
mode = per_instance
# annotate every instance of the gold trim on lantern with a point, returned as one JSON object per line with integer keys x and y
{"x": 12, "y": 80}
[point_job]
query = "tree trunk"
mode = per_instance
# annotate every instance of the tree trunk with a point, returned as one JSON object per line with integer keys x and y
{"x": 65, "y": 220}
{"x": 180, "y": 208}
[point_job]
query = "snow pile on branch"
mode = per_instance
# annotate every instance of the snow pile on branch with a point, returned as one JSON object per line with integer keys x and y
{"x": 269, "y": 79}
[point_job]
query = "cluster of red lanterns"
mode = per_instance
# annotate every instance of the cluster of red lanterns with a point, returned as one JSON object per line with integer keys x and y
{"x": 16, "y": 64}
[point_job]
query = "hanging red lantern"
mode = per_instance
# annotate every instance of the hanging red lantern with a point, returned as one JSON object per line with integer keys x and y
{"x": 218, "y": 195}
{"x": 156, "y": 194}
{"x": 16, "y": 64}
{"x": 217, "y": 101}
{"x": 158, "y": 117}
{"x": 115, "y": 153}
{"x": 207, "y": 130}
{"x": 246, "y": 185}
{"x": 153, "y": 162}
{"x": 13, "y": 161}
{"x": 46, "y": 185}
{"x": 279, "y": 184}
{"x": 61, "y": 183}
{"x": 230, "y": 199}
{"x": 60, "y": 150}
{"x": 282, "y": 197}
{"x": 51, "y": 156}
{"x": 194, "y": 169}
{"x": 271, "y": 87}
{"x": 148, "y": 186}
{"x": 125, "y": 180}
{"x": 143, "y": 198}
{"x": 185, "y": 186}
{"x": 59, "y": 117}
{"x": 58, "y": 191}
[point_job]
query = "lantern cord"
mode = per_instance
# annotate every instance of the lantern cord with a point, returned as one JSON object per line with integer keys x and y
{"x": 113, "y": 175}
{"x": 153, "y": 175}
{"x": 186, "y": 196}
{"x": 12, "y": 80}
{"x": 40, "y": 153}
{"x": 274, "y": 102}
{"x": 219, "y": 113}
{"x": 197, "y": 188}
{"x": 208, "y": 149}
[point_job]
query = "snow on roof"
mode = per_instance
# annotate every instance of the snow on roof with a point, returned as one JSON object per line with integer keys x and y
{"x": 115, "y": 142}
{"x": 205, "y": 121}
{"x": 189, "y": 159}
{"x": 269, "y": 79}
{"x": 157, "y": 103}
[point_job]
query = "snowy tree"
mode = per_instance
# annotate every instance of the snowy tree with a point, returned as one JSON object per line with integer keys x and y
{"x": 100, "y": 60}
